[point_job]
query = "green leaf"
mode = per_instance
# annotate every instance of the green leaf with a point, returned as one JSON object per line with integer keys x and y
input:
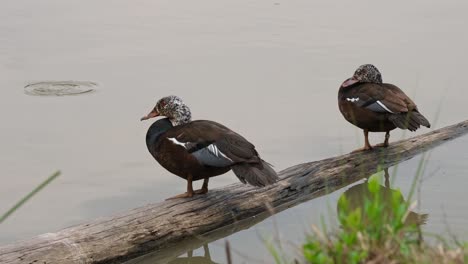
{"x": 373, "y": 185}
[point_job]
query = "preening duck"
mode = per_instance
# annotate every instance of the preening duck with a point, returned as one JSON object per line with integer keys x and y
{"x": 368, "y": 103}
{"x": 195, "y": 150}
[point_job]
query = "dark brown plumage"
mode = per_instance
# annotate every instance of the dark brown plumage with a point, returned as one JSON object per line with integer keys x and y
{"x": 374, "y": 106}
{"x": 201, "y": 149}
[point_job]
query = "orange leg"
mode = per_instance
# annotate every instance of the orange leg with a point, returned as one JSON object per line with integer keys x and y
{"x": 385, "y": 143}
{"x": 204, "y": 188}
{"x": 189, "y": 192}
{"x": 367, "y": 145}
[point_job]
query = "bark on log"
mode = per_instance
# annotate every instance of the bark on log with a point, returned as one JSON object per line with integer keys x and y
{"x": 190, "y": 223}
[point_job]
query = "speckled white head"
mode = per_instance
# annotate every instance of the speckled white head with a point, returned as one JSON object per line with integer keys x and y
{"x": 366, "y": 73}
{"x": 173, "y": 108}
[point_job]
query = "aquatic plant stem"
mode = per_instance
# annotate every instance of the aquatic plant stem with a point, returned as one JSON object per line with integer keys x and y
{"x": 28, "y": 196}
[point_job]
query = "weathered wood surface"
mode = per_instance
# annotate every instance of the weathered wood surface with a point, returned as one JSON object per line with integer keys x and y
{"x": 189, "y": 223}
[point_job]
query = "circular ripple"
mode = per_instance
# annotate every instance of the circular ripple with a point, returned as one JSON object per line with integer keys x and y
{"x": 59, "y": 88}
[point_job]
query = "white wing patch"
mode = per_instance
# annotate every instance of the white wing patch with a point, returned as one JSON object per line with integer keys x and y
{"x": 384, "y": 107}
{"x": 175, "y": 141}
{"x": 352, "y": 100}
{"x": 214, "y": 149}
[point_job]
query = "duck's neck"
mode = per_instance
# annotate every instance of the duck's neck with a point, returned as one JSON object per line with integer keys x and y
{"x": 181, "y": 116}
{"x": 155, "y": 131}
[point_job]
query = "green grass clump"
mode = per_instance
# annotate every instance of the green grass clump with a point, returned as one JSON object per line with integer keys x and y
{"x": 378, "y": 227}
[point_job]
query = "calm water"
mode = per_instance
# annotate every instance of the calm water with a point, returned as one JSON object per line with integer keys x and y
{"x": 267, "y": 69}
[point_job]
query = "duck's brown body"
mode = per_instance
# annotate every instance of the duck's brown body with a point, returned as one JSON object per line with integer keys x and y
{"x": 203, "y": 149}
{"x": 181, "y": 163}
{"x": 359, "y": 115}
{"x": 365, "y": 119}
{"x": 379, "y": 107}
{"x": 176, "y": 159}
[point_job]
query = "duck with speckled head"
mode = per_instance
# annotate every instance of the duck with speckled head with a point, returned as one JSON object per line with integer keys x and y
{"x": 201, "y": 149}
{"x": 368, "y": 103}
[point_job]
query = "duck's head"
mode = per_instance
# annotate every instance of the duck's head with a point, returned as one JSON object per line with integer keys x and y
{"x": 365, "y": 73}
{"x": 173, "y": 108}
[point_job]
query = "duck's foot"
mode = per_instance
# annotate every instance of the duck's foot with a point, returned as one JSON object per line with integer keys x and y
{"x": 385, "y": 143}
{"x": 365, "y": 148}
{"x": 367, "y": 145}
{"x": 182, "y": 195}
{"x": 201, "y": 191}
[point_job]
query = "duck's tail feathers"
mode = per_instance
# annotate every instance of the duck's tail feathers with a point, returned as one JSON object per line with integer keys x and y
{"x": 256, "y": 174}
{"x": 411, "y": 120}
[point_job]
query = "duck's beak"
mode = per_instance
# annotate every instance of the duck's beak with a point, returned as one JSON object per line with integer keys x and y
{"x": 152, "y": 114}
{"x": 349, "y": 81}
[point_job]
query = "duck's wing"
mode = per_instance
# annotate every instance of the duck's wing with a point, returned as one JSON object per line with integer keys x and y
{"x": 213, "y": 144}
{"x": 381, "y": 98}
{"x": 396, "y": 99}
{"x": 389, "y": 99}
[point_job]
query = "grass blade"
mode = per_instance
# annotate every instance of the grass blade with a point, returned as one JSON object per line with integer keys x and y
{"x": 28, "y": 196}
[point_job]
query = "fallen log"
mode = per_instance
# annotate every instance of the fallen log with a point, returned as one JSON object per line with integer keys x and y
{"x": 190, "y": 223}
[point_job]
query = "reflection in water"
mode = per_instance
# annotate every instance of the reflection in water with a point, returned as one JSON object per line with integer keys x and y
{"x": 175, "y": 257}
{"x": 205, "y": 259}
{"x": 358, "y": 194}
